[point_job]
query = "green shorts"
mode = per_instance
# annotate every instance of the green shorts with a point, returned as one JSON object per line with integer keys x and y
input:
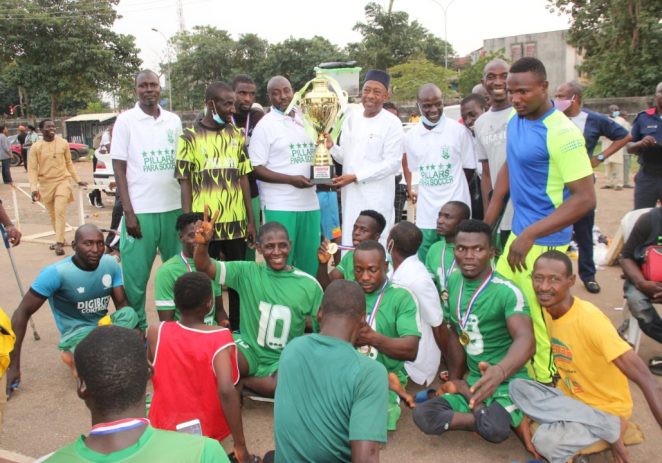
{"x": 126, "y": 317}
{"x": 255, "y": 368}
{"x": 501, "y": 396}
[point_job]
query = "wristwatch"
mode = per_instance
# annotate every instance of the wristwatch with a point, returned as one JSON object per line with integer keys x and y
{"x": 600, "y": 157}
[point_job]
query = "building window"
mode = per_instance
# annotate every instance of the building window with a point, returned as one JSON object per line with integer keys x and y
{"x": 530, "y": 50}
{"x": 515, "y": 51}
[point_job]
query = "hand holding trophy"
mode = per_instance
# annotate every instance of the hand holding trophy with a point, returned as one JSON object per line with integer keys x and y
{"x": 321, "y": 109}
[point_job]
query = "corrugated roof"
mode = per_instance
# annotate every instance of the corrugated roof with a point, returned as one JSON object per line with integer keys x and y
{"x": 92, "y": 117}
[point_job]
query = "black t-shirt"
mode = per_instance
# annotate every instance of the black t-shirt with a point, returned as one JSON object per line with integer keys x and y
{"x": 639, "y": 235}
{"x": 21, "y": 138}
{"x": 240, "y": 122}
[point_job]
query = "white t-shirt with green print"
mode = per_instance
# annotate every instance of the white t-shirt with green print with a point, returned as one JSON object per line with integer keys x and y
{"x": 281, "y": 144}
{"x": 149, "y": 147}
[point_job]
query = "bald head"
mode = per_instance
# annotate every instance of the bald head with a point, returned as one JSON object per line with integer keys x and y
{"x": 87, "y": 231}
{"x": 428, "y": 91}
{"x": 495, "y": 65}
{"x": 278, "y": 82}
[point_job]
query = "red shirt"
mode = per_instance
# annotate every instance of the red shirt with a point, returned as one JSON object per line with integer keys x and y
{"x": 184, "y": 381}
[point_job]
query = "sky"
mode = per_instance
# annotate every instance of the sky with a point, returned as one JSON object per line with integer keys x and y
{"x": 469, "y": 21}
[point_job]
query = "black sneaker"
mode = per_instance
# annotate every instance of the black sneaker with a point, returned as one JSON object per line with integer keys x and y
{"x": 90, "y": 198}
{"x": 592, "y": 286}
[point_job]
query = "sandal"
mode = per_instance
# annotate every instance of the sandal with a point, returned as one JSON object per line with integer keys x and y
{"x": 59, "y": 249}
{"x": 251, "y": 459}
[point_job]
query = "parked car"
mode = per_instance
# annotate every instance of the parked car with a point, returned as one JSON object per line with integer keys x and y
{"x": 78, "y": 150}
{"x": 104, "y": 177}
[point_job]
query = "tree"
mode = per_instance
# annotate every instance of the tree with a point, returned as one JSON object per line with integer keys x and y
{"x": 621, "y": 41}
{"x": 389, "y": 39}
{"x": 65, "y": 47}
{"x": 296, "y": 59}
{"x": 408, "y": 77}
{"x": 472, "y": 75}
{"x": 205, "y": 56}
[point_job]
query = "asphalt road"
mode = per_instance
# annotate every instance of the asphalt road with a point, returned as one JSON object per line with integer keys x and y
{"x": 46, "y": 414}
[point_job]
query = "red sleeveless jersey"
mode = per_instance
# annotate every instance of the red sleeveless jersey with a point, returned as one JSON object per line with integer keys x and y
{"x": 184, "y": 381}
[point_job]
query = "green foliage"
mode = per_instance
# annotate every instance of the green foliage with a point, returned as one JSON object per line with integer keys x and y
{"x": 95, "y": 107}
{"x": 65, "y": 48}
{"x": 389, "y": 38}
{"x": 472, "y": 75}
{"x": 208, "y": 54}
{"x": 621, "y": 41}
{"x": 408, "y": 77}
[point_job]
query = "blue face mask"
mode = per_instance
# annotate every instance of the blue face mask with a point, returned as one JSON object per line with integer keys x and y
{"x": 427, "y": 121}
{"x": 615, "y": 114}
{"x": 216, "y": 117}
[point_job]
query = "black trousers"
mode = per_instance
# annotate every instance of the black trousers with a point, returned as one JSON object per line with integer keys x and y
{"x": 231, "y": 250}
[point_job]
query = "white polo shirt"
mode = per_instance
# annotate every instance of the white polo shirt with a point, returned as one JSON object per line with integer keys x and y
{"x": 149, "y": 147}
{"x": 439, "y": 155}
{"x": 281, "y": 144}
{"x": 413, "y": 275}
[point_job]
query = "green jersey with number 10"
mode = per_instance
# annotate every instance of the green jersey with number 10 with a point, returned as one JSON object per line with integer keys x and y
{"x": 273, "y": 304}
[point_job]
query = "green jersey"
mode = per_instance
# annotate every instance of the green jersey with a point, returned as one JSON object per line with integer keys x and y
{"x": 153, "y": 445}
{"x": 486, "y": 324}
{"x": 346, "y": 266}
{"x": 319, "y": 411}
{"x": 438, "y": 251}
{"x": 164, "y": 286}
{"x": 273, "y": 304}
{"x": 397, "y": 316}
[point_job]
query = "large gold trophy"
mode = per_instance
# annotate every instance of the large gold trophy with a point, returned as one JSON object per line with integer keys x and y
{"x": 321, "y": 109}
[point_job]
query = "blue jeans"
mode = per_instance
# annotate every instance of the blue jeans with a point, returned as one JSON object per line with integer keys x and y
{"x": 6, "y": 172}
{"x": 641, "y": 308}
{"x": 583, "y": 229}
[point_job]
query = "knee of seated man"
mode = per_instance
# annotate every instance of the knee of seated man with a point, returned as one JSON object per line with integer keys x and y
{"x": 493, "y": 423}
{"x": 433, "y": 416}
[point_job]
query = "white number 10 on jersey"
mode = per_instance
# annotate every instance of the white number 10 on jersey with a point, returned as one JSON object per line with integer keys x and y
{"x": 270, "y": 316}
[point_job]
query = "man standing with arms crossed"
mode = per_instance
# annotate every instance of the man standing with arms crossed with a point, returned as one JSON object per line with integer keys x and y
{"x": 281, "y": 152}
{"x": 143, "y": 153}
{"x": 370, "y": 152}
{"x": 550, "y": 180}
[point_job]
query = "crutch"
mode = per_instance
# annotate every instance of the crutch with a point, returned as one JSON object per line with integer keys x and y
{"x": 5, "y": 238}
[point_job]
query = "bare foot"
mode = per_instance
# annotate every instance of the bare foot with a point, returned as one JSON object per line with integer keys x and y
{"x": 618, "y": 448}
{"x": 395, "y": 386}
{"x": 523, "y": 431}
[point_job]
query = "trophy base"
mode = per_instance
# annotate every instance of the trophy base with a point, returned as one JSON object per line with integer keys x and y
{"x": 322, "y": 175}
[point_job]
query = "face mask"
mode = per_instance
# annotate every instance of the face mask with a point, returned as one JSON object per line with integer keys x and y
{"x": 216, "y": 117}
{"x": 427, "y": 121}
{"x": 562, "y": 105}
{"x": 615, "y": 114}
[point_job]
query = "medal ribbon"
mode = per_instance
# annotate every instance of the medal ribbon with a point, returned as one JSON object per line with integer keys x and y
{"x": 463, "y": 320}
{"x": 443, "y": 266}
{"x": 247, "y": 125}
{"x": 118, "y": 426}
{"x": 186, "y": 262}
{"x": 346, "y": 248}
{"x": 375, "y": 307}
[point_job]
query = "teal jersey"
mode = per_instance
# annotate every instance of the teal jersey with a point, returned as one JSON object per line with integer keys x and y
{"x": 154, "y": 445}
{"x": 164, "y": 286}
{"x": 441, "y": 250}
{"x": 486, "y": 324}
{"x": 319, "y": 411}
{"x": 397, "y": 316}
{"x": 273, "y": 305}
{"x": 78, "y": 298}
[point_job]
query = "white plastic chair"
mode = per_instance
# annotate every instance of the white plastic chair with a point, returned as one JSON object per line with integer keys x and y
{"x": 630, "y": 328}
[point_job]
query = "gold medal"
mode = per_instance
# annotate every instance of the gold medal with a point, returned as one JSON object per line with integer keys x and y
{"x": 332, "y": 248}
{"x": 464, "y": 338}
{"x": 365, "y": 350}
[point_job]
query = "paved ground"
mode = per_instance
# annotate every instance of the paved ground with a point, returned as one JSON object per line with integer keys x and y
{"x": 46, "y": 414}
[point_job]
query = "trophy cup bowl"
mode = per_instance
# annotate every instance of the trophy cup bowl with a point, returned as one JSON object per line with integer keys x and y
{"x": 320, "y": 108}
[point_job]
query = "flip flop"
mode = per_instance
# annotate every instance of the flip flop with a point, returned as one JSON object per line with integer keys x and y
{"x": 251, "y": 459}
{"x": 424, "y": 395}
{"x": 59, "y": 249}
{"x": 655, "y": 366}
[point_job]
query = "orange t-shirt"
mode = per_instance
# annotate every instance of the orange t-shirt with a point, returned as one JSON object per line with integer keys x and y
{"x": 584, "y": 346}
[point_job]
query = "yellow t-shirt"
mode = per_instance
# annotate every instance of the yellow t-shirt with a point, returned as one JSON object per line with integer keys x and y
{"x": 584, "y": 345}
